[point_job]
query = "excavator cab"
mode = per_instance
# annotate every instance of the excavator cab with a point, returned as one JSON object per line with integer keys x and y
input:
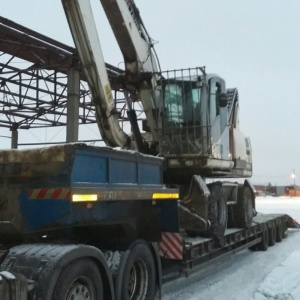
{"x": 191, "y": 113}
{"x": 181, "y": 115}
{"x": 182, "y": 103}
{"x": 199, "y": 132}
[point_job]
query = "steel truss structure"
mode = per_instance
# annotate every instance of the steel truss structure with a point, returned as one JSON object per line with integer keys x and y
{"x": 34, "y": 72}
{"x": 36, "y": 97}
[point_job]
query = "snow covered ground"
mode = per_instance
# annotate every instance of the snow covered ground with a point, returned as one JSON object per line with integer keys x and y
{"x": 274, "y": 274}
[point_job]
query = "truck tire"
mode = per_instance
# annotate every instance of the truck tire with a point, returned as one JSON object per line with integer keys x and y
{"x": 217, "y": 211}
{"x": 264, "y": 244}
{"x": 279, "y": 232}
{"x": 243, "y": 210}
{"x": 272, "y": 234}
{"x": 230, "y": 219}
{"x": 136, "y": 278}
{"x": 79, "y": 280}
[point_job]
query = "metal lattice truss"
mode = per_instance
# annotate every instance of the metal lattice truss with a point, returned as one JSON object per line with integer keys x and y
{"x": 34, "y": 78}
{"x": 36, "y": 97}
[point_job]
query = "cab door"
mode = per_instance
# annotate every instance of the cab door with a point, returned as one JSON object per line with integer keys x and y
{"x": 218, "y": 120}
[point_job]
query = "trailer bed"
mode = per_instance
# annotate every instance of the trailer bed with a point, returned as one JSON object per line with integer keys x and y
{"x": 202, "y": 251}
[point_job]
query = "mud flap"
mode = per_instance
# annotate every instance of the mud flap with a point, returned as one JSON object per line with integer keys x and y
{"x": 13, "y": 287}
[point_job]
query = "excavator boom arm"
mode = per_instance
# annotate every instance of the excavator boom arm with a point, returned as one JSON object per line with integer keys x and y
{"x": 133, "y": 40}
{"x": 138, "y": 53}
{"x": 81, "y": 22}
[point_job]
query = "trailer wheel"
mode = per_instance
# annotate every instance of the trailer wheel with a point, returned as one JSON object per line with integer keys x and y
{"x": 272, "y": 234}
{"x": 230, "y": 218}
{"x": 137, "y": 275}
{"x": 79, "y": 280}
{"x": 263, "y": 245}
{"x": 243, "y": 210}
{"x": 217, "y": 211}
{"x": 279, "y": 232}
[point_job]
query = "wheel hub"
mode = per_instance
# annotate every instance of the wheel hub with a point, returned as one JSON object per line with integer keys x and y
{"x": 80, "y": 291}
{"x": 138, "y": 281}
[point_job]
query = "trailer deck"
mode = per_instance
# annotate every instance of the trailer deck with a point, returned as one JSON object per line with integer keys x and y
{"x": 202, "y": 251}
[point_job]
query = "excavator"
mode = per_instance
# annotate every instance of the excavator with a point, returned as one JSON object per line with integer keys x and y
{"x": 191, "y": 119}
{"x": 87, "y": 222}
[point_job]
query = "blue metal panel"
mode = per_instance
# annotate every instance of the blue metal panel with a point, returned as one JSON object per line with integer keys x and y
{"x": 89, "y": 167}
{"x": 40, "y": 213}
{"x": 168, "y": 215}
{"x": 150, "y": 174}
{"x": 101, "y": 212}
{"x": 122, "y": 171}
{"x": 106, "y": 166}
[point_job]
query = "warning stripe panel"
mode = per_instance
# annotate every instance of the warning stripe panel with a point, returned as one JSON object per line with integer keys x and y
{"x": 171, "y": 246}
{"x": 59, "y": 193}
{"x": 172, "y": 242}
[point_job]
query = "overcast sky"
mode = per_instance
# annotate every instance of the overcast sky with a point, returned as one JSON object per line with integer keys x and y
{"x": 253, "y": 44}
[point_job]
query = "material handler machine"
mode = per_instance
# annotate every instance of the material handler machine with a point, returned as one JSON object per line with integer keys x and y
{"x": 85, "y": 222}
{"x": 191, "y": 118}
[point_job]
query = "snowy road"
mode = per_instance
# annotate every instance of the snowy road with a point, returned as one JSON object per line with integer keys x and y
{"x": 274, "y": 274}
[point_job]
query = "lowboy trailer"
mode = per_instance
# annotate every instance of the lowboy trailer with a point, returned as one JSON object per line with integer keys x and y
{"x": 82, "y": 222}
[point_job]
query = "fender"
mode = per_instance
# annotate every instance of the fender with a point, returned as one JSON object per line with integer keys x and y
{"x": 249, "y": 184}
{"x": 42, "y": 265}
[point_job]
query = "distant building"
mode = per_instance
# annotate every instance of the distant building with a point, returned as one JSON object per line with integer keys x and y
{"x": 292, "y": 191}
{"x": 280, "y": 190}
{"x": 276, "y": 190}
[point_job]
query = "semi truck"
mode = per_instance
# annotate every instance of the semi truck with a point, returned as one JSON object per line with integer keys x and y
{"x": 116, "y": 222}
